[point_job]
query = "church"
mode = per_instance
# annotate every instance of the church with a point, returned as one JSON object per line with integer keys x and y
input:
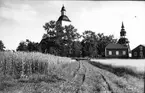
{"x": 50, "y": 43}
{"x": 119, "y": 50}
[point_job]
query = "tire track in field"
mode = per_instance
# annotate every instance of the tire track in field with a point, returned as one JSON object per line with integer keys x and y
{"x": 75, "y": 72}
{"x": 108, "y": 85}
{"x": 82, "y": 72}
{"x": 78, "y": 78}
{"x": 102, "y": 78}
{"x": 82, "y": 75}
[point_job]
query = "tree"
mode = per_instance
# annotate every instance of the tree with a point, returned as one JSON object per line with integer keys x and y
{"x": 58, "y": 39}
{"x": 32, "y": 46}
{"x": 76, "y": 49}
{"x": 51, "y": 40}
{"x": 50, "y": 28}
{"x": 70, "y": 36}
{"x": 27, "y": 46}
{"x": 89, "y": 44}
{"x": 22, "y": 46}
{"x": 2, "y": 47}
{"x": 94, "y": 45}
{"x": 103, "y": 41}
{"x": 71, "y": 33}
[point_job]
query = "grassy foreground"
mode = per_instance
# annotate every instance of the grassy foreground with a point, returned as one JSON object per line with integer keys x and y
{"x": 22, "y": 72}
{"x": 21, "y": 67}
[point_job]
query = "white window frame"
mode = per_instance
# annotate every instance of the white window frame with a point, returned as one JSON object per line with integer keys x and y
{"x": 124, "y": 52}
{"x": 110, "y": 52}
{"x": 117, "y": 52}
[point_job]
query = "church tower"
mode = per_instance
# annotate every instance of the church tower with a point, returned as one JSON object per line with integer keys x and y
{"x": 63, "y": 19}
{"x": 123, "y": 40}
{"x": 122, "y": 32}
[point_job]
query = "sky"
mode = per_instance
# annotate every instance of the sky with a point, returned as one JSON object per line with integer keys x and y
{"x": 24, "y": 19}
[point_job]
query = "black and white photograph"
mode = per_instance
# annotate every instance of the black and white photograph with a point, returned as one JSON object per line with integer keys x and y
{"x": 60, "y": 46}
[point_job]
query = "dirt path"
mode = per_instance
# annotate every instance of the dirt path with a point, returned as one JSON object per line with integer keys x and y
{"x": 78, "y": 77}
{"x": 91, "y": 79}
{"x": 99, "y": 81}
{"x": 86, "y": 80}
{"x": 83, "y": 77}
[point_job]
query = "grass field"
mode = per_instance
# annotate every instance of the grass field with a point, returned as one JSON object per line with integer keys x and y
{"x": 139, "y": 64}
{"x": 22, "y": 72}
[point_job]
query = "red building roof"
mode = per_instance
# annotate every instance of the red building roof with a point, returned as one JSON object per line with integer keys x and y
{"x": 138, "y": 47}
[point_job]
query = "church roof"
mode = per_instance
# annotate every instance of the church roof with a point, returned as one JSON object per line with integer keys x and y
{"x": 115, "y": 46}
{"x": 63, "y": 18}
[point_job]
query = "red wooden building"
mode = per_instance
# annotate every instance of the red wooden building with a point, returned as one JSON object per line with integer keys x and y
{"x": 138, "y": 52}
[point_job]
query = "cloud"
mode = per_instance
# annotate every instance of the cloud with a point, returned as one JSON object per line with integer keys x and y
{"x": 21, "y": 19}
{"x": 17, "y": 12}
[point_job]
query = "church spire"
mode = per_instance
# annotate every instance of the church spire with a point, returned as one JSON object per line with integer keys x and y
{"x": 122, "y": 25}
{"x": 123, "y": 40}
{"x": 122, "y": 32}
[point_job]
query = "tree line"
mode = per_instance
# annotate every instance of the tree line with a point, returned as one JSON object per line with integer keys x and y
{"x": 66, "y": 41}
{"x": 2, "y": 47}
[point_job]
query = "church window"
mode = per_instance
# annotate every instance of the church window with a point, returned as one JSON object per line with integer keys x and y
{"x": 117, "y": 52}
{"x": 124, "y": 52}
{"x": 110, "y": 52}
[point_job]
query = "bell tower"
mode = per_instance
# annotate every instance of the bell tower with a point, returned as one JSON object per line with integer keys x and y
{"x": 122, "y": 32}
{"x": 123, "y": 40}
{"x": 63, "y": 19}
